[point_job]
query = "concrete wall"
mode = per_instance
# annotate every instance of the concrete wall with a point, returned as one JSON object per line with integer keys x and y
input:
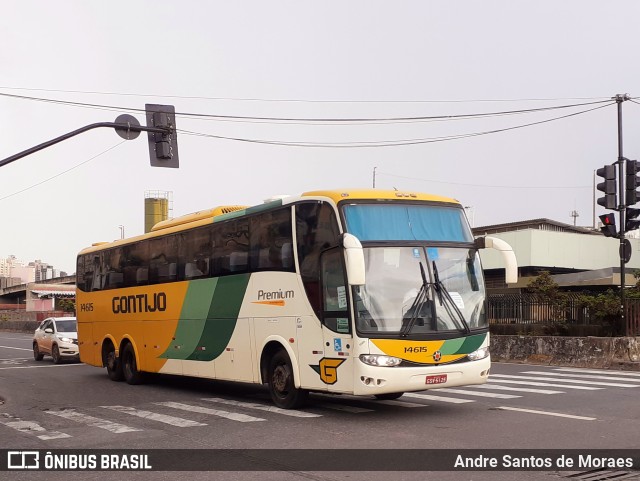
{"x": 595, "y": 352}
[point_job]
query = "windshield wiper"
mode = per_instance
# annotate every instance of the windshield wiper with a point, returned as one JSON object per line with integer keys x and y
{"x": 447, "y": 301}
{"x": 417, "y": 305}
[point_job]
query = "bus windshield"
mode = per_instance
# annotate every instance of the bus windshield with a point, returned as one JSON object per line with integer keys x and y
{"x": 398, "y": 300}
{"x": 407, "y": 222}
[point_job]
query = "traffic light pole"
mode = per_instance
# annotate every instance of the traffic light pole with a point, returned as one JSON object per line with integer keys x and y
{"x": 621, "y": 210}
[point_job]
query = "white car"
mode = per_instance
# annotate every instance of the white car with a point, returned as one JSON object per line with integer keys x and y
{"x": 57, "y": 337}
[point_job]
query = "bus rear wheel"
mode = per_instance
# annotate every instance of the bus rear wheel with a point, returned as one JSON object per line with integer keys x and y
{"x": 130, "y": 366}
{"x": 281, "y": 383}
{"x": 114, "y": 367}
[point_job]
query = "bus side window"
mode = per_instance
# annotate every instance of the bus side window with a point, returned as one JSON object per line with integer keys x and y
{"x": 316, "y": 231}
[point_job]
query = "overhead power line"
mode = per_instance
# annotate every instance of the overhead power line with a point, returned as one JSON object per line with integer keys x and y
{"x": 389, "y": 143}
{"x": 338, "y": 101}
{"x": 314, "y": 120}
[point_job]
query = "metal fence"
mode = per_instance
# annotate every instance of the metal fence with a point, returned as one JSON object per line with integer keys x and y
{"x": 529, "y": 309}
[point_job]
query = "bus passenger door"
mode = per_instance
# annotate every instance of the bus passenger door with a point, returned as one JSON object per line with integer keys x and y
{"x": 336, "y": 367}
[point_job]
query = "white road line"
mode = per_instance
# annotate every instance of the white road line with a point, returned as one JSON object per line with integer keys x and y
{"x": 586, "y": 376}
{"x": 479, "y": 394}
{"x": 598, "y": 371}
{"x": 163, "y": 418}
{"x": 73, "y": 415}
{"x": 516, "y": 389}
{"x": 546, "y": 384}
{"x": 546, "y": 413}
{"x": 30, "y": 427}
{"x": 16, "y": 359}
{"x": 572, "y": 381}
{"x": 343, "y": 407}
{"x": 243, "y": 418}
{"x": 16, "y": 348}
{"x": 39, "y": 367}
{"x": 431, "y": 397}
{"x": 263, "y": 407}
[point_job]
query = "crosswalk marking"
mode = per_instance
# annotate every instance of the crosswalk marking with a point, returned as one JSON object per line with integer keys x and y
{"x": 587, "y": 376}
{"x": 479, "y": 394}
{"x": 572, "y": 381}
{"x": 30, "y": 427}
{"x": 598, "y": 371}
{"x": 243, "y": 418}
{"x": 546, "y": 413}
{"x": 431, "y": 397}
{"x": 516, "y": 389}
{"x": 163, "y": 418}
{"x": 263, "y": 407}
{"x": 546, "y": 384}
{"x": 73, "y": 415}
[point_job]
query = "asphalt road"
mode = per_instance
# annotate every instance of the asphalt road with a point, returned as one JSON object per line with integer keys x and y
{"x": 74, "y": 406}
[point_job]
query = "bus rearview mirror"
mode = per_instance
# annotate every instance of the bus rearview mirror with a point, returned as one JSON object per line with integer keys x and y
{"x": 354, "y": 260}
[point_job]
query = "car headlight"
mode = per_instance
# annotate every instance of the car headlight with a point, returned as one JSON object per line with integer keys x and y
{"x": 380, "y": 360}
{"x": 65, "y": 339}
{"x": 478, "y": 354}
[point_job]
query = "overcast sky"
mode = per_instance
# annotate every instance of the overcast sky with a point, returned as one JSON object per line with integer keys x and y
{"x": 308, "y": 60}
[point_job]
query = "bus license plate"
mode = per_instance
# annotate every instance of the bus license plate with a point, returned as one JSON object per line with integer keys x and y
{"x": 436, "y": 379}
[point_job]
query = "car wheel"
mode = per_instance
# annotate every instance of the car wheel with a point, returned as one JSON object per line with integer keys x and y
{"x": 37, "y": 355}
{"x": 281, "y": 383}
{"x": 388, "y": 396}
{"x": 114, "y": 367}
{"x": 55, "y": 354}
{"x": 130, "y": 366}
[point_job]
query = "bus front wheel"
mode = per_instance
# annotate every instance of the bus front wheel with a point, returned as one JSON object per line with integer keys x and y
{"x": 114, "y": 367}
{"x": 281, "y": 384}
{"x": 130, "y": 366}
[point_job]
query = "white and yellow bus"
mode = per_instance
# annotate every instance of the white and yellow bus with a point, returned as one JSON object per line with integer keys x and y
{"x": 366, "y": 292}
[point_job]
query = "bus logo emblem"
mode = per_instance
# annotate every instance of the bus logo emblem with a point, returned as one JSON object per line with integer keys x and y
{"x": 328, "y": 369}
{"x": 437, "y": 356}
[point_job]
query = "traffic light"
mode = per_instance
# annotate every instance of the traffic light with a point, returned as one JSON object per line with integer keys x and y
{"x": 609, "y": 225}
{"x": 630, "y": 219}
{"x": 163, "y": 146}
{"x": 632, "y": 181}
{"x": 608, "y": 173}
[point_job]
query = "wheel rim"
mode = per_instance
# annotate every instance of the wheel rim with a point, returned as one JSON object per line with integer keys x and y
{"x": 111, "y": 361}
{"x": 55, "y": 354}
{"x": 281, "y": 377}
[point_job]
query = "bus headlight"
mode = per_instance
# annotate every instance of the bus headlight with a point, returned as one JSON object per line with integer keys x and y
{"x": 478, "y": 354}
{"x": 380, "y": 360}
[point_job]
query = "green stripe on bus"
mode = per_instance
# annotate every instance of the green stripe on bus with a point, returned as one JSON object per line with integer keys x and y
{"x": 196, "y": 306}
{"x": 471, "y": 343}
{"x": 222, "y": 317}
{"x": 451, "y": 346}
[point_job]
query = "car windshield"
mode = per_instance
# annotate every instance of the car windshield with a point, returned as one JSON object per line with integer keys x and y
{"x": 68, "y": 325}
{"x": 397, "y": 299}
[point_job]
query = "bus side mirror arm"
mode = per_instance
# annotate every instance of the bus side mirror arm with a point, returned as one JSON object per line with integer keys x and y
{"x": 509, "y": 257}
{"x": 354, "y": 260}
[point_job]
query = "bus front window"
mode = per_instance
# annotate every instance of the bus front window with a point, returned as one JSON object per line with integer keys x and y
{"x": 396, "y": 300}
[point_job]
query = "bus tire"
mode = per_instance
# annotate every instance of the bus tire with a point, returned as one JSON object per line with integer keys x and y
{"x": 388, "y": 396}
{"x": 114, "y": 366}
{"x": 281, "y": 383}
{"x": 130, "y": 366}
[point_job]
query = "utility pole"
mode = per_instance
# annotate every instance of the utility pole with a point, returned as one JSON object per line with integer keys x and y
{"x": 621, "y": 210}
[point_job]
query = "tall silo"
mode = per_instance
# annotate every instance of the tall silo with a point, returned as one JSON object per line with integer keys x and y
{"x": 157, "y": 205}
